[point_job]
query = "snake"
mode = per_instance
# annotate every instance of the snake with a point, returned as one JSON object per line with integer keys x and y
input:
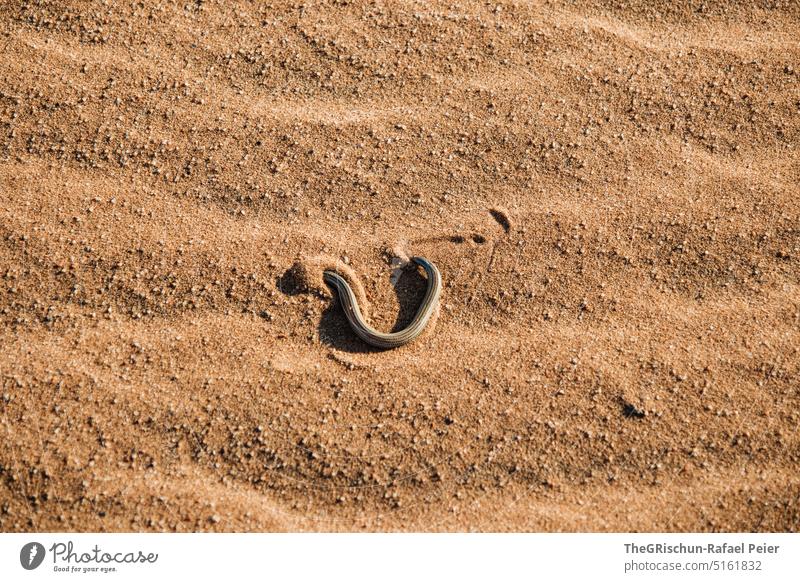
{"x": 395, "y": 339}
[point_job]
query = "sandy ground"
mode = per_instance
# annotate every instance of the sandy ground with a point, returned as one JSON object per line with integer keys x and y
{"x": 609, "y": 189}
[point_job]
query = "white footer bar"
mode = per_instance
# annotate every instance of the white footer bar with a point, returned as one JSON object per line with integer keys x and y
{"x": 406, "y": 557}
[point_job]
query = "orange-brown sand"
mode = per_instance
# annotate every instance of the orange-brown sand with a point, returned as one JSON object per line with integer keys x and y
{"x": 610, "y": 190}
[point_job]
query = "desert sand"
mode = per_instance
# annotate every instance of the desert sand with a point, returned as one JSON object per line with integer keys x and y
{"x": 610, "y": 190}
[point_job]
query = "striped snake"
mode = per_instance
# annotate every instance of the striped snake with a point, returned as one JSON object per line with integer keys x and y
{"x": 398, "y": 338}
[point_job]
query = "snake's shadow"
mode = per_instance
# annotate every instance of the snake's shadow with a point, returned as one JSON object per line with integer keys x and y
{"x": 334, "y": 331}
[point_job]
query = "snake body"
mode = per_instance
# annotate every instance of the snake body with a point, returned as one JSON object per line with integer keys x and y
{"x": 377, "y": 338}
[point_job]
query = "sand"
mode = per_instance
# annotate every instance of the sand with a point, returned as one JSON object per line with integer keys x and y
{"x": 610, "y": 190}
